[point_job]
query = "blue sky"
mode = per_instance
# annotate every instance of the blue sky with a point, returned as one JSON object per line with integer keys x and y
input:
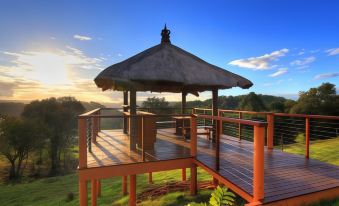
{"x": 56, "y": 48}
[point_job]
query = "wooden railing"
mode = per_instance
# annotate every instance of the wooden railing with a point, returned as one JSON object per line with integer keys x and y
{"x": 283, "y": 128}
{"x": 258, "y": 147}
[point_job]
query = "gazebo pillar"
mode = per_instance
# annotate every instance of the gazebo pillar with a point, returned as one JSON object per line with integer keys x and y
{"x": 133, "y": 120}
{"x": 183, "y": 109}
{"x": 214, "y": 111}
{"x": 125, "y": 103}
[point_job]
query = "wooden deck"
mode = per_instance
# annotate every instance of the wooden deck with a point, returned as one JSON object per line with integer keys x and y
{"x": 286, "y": 175}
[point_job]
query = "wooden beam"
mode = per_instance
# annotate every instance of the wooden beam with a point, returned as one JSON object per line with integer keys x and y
{"x": 214, "y": 111}
{"x": 183, "y": 102}
{"x": 133, "y": 120}
{"x": 82, "y": 143}
{"x": 82, "y": 192}
{"x": 99, "y": 188}
{"x": 270, "y": 130}
{"x": 94, "y": 192}
{"x": 132, "y": 190}
{"x": 125, "y": 102}
{"x": 124, "y": 185}
{"x": 134, "y": 168}
{"x": 150, "y": 178}
{"x": 258, "y": 164}
{"x": 193, "y": 185}
{"x": 183, "y": 174}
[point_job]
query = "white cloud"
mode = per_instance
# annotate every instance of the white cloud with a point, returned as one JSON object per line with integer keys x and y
{"x": 81, "y": 37}
{"x": 280, "y": 72}
{"x": 261, "y": 62}
{"x": 332, "y": 52}
{"x": 303, "y": 63}
{"x": 120, "y": 55}
{"x": 326, "y": 75}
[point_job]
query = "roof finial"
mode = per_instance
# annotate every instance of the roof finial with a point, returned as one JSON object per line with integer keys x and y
{"x": 165, "y": 35}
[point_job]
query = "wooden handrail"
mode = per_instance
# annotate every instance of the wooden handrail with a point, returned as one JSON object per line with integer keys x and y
{"x": 234, "y": 120}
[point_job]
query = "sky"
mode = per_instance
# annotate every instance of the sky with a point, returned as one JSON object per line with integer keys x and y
{"x": 56, "y": 48}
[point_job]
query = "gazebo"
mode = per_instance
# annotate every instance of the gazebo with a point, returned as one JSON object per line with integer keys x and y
{"x": 167, "y": 68}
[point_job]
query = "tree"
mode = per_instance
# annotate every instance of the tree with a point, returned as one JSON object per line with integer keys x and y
{"x": 321, "y": 100}
{"x": 252, "y": 102}
{"x": 277, "y": 106}
{"x": 156, "y": 105}
{"x": 17, "y": 139}
{"x": 59, "y": 116}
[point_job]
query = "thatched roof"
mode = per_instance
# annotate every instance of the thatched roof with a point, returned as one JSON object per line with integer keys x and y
{"x": 167, "y": 68}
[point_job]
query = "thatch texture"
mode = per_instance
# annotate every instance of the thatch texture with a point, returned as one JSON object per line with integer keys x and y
{"x": 167, "y": 68}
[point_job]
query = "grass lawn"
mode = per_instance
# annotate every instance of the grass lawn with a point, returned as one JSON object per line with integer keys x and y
{"x": 323, "y": 150}
{"x": 54, "y": 190}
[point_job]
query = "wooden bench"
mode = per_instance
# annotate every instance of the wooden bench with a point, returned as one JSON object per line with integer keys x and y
{"x": 207, "y": 131}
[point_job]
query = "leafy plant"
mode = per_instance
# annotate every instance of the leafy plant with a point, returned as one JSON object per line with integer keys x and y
{"x": 219, "y": 197}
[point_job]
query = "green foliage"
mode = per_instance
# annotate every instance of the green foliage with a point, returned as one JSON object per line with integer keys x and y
{"x": 277, "y": 106}
{"x": 18, "y": 138}
{"x": 252, "y": 102}
{"x": 300, "y": 138}
{"x": 219, "y": 197}
{"x": 321, "y": 100}
{"x": 155, "y": 102}
{"x": 59, "y": 116}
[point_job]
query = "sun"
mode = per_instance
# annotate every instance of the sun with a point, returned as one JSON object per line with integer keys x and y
{"x": 46, "y": 67}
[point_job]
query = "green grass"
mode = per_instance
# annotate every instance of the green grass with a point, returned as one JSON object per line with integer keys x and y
{"x": 54, "y": 190}
{"x": 323, "y": 150}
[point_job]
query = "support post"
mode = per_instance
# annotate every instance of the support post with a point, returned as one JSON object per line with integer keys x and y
{"x": 193, "y": 185}
{"x": 82, "y": 192}
{"x": 150, "y": 178}
{"x": 193, "y": 135}
{"x": 258, "y": 163}
{"x": 132, "y": 190}
{"x": 239, "y": 125}
{"x": 217, "y": 145}
{"x": 183, "y": 102}
{"x": 94, "y": 192}
{"x": 183, "y": 174}
{"x": 133, "y": 120}
{"x": 214, "y": 111}
{"x": 125, "y": 109}
{"x": 124, "y": 185}
{"x": 270, "y": 130}
{"x": 307, "y": 137}
{"x": 142, "y": 139}
{"x": 82, "y": 143}
{"x": 99, "y": 188}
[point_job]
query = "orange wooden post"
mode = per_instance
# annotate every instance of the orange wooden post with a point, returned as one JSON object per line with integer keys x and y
{"x": 258, "y": 163}
{"x": 82, "y": 192}
{"x": 124, "y": 185}
{"x": 99, "y": 188}
{"x": 193, "y": 185}
{"x": 270, "y": 130}
{"x": 94, "y": 192}
{"x": 217, "y": 145}
{"x": 307, "y": 137}
{"x": 142, "y": 139}
{"x": 183, "y": 174}
{"x": 132, "y": 190}
{"x": 193, "y": 135}
{"x": 150, "y": 178}
{"x": 215, "y": 182}
{"x": 82, "y": 143}
{"x": 239, "y": 125}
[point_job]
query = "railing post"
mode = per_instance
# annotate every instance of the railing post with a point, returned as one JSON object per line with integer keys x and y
{"x": 142, "y": 139}
{"x": 193, "y": 135}
{"x": 83, "y": 193}
{"x": 239, "y": 125}
{"x": 270, "y": 130}
{"x": 258, "y": 163}
{"x": 94, "y": 192}
{"x": 217, "y": 145}
{"x": 82, "y": 138}
{"x": 307, "y": 137}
